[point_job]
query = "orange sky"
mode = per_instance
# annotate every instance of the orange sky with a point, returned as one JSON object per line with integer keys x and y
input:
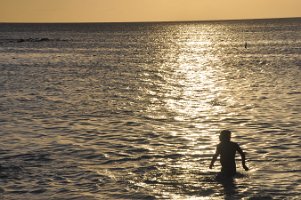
{"x": 143, "y": 10}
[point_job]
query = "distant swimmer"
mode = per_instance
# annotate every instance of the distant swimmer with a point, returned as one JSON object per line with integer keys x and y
{"x": 246, "y": 45}
{"x": 227, "y": 150}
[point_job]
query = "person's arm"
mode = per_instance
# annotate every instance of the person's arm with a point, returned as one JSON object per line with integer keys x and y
{"x": 214, "y": 158}
{"x": 243, "y": 158}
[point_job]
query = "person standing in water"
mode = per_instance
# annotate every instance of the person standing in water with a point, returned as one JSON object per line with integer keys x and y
{"x": 227, "y": 150}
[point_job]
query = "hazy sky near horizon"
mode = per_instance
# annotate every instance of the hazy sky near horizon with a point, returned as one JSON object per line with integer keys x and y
{"x": 143, "y": 10}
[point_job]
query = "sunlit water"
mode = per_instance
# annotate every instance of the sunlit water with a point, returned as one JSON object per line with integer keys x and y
{"x": 133, "y": 111}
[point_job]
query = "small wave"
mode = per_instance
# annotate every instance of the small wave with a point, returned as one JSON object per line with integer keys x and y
{"x": 145, "y": 157}
{"x": 137, "y": 150}
{"x": 30, "y": 157}
{"x": 21, "y": 40}
{"x": 136, "y": 195}
{"x": 38, "y": 191}
{"x": 144, "y": 169}
{"x": 132, "y": 123}
{"x": 260, "y": 197}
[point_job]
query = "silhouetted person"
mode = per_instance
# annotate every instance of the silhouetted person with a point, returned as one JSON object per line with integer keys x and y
{"x": 227, "y": 150}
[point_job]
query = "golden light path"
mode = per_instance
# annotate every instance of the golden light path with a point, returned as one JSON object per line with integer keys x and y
{"x": 192, "y": 97}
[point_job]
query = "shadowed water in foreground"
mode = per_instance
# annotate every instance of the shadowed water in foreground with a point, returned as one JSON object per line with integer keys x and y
{"x": 133, "y": 111}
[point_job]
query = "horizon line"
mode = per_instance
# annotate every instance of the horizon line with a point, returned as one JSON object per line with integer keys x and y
{"x": 163, "y": 21}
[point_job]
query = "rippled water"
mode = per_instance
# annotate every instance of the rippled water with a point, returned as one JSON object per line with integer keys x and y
{"x": 133, "y": 111}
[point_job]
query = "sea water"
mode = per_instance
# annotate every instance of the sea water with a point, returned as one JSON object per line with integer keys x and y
{"x": 133, "y": 110}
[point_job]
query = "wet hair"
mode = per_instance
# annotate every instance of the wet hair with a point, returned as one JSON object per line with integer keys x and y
{"x": 225, "y": 136}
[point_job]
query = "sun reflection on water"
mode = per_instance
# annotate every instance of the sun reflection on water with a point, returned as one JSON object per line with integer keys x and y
{"x": 187, "y": 96}
{"x": 196, "y": 90}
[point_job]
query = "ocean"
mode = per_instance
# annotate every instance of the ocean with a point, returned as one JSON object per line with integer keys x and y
{"x": 134, "y": 110}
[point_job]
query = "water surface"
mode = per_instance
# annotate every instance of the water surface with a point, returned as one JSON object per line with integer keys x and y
{"x": 133, "y": 111}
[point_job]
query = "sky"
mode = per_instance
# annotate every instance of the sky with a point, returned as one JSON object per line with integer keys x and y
{"x": 144, "y": 10}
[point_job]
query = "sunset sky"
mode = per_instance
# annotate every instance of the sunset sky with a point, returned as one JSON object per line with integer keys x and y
{"x": 144, "y": 10}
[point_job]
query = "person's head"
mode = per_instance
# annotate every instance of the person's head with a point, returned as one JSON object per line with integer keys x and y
{"x": 225, "y": 136}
